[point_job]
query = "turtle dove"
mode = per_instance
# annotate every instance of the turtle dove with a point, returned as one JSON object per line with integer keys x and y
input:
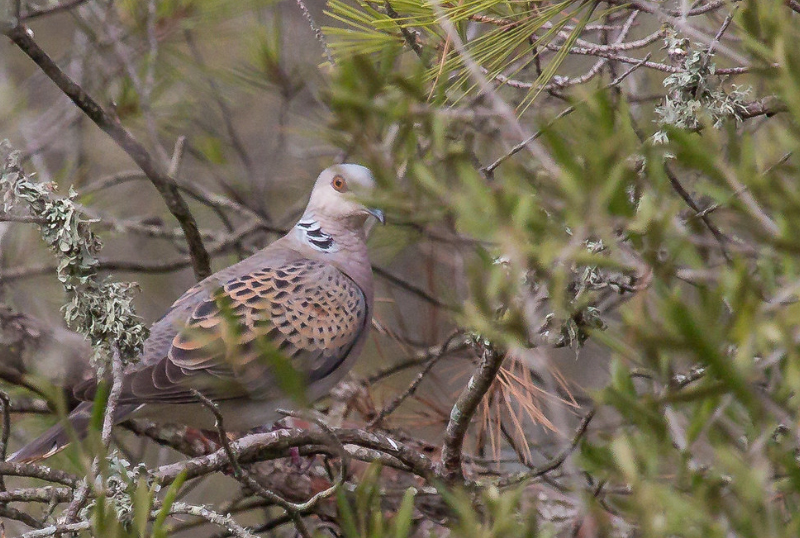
{"x": 308, "y": 295}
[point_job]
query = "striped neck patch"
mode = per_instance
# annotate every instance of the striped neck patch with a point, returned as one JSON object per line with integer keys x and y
{"x": 315, "y": 237}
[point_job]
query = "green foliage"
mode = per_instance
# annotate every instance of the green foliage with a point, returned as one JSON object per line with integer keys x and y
{"x": 498, "y": 514}
{"x": 526, "y": 217}
{"x": 159, "y": 529}
{"x": 490, "y": 514}
{"x": 705, "y": 375}
{"x": 511, "y": 43}
{"x": 361, "y": 513}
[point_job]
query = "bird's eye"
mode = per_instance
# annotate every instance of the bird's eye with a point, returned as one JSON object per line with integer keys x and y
{"x": 339, "y": 184}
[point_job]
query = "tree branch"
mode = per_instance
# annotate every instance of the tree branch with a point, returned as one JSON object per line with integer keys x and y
{"x": 21, "y": 36}
{"x": 36, "y": 13}
{"x": 261, "y": 446}
{"x": 465, "y": 408}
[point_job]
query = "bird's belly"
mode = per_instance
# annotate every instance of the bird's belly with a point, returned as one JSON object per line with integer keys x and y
{"x": 238, "y": 415}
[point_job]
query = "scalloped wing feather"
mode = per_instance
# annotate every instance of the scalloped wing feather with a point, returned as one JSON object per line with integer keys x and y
{"x": 309, "y": 311}
{"x": 216, "y": 337}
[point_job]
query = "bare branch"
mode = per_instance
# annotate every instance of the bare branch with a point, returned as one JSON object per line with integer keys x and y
{"x": 216, "y": 518}
{"x": 37, "y": 13}
{"x": 22, "y": 37}
{"x": 411, "y": 288}
{"x": 464, "y": 409}
{"x": 420, "y": 356}
{"x": 768, "y": 106}
{"x": 54, "y": 530}
{"x": 5, "y": 403}
{"x": 12, "y": 513}
{"x": 412, "y": 388}
{"x": 317, "y": 31}
{"x": 45, "y": 494}
{"x": 556, "y": 462}
{"x": 113, "y": 396}
{"x": 260, "y": 446}
{"x": 489, "y": 170}
{"x": 38, "y": 471}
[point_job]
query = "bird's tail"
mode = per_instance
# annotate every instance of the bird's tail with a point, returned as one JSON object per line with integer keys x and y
{"x": 57, "y": 438}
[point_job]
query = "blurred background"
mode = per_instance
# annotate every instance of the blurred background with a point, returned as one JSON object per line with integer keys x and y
{"x": 564, "y": 251}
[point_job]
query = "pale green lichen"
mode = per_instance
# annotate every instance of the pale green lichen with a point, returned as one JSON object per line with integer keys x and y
{"x": 101, "y": 310}
{"x": 120, "y": 486}
{"x": 696, "y": 91}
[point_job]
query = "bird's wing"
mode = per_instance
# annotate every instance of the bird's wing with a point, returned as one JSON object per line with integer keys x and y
{"x": 229, "y": 337}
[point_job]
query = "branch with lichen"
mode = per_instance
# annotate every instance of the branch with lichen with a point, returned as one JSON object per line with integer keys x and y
{"x": 696, "y": 89}
{"x": 101, "y": 310}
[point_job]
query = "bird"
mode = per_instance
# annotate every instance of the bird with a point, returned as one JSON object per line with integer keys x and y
{"x": 307, "y": 296}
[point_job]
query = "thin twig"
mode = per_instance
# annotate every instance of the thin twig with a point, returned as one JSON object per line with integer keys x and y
{"x": 177, "y": 157}
{"x": 5, "y": 403}
{"x": 7, "y": 512}
{"x": 216, "y": 518}
{"x": 419, "y": 357}
{"x": 721, "y": 31}
{"x": 112, "y": 126}
{"x": 45, "y": 494}
{"x": 556, "y": 462}
{"x": 243, "y": 476}
{"x": 28, "y": 219}
{"x": 54, "y": 530}
{"x": 19, "y": 273}
{"x": 684, "y": 194}
{"x": 412, "y": 388}
{"x": 317, "y": 31}
{"x": 41, "y": 472}
{"x": 36, "y": 13}
{"x": 409, "y": 36}
{"x": 766, "y": 106}
{"x": 411, "y": 288}
{"x": 78, "y": 501}
{"x": 488, "y": 171}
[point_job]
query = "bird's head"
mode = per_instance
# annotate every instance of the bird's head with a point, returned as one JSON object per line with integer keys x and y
{"x": 338, "y": 192}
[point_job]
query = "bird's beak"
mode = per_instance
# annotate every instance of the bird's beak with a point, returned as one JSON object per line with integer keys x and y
{"x": 378, "y": 214}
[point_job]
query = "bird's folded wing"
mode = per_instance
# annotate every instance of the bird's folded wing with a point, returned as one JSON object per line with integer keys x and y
{"x": 302, "y": 310}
